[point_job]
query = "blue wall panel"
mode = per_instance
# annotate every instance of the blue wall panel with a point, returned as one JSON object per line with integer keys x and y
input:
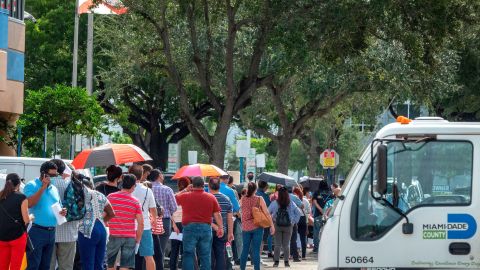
{"x": 3, "y": 28}
{"x": 15, "y": 66}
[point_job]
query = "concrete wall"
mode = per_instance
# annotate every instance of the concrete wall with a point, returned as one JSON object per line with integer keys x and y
{"x": 12, "y": 70}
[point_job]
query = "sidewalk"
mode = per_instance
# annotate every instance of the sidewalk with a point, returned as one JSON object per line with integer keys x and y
{"x": 309, "y": 264}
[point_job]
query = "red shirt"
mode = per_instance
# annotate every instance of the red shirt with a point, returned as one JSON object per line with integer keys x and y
{"x": 198, "y": 206}
{"x": 126, "y": 209}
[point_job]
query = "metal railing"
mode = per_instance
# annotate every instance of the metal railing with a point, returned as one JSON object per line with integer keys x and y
{"x": 15, "y": 8}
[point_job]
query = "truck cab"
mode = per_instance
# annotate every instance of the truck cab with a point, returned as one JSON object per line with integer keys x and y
{"x": 410, "y": 202}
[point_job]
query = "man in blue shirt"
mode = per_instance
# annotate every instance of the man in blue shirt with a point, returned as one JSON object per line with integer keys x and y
{"x": 227, "y": 191}
{"x": 41, "y": 196}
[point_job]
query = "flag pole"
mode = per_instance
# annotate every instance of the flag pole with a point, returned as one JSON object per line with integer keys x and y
{"x": 90, "y": 54}
{"x": 75, "y": 47}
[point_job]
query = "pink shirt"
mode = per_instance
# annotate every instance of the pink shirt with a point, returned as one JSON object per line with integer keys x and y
{"x": 247, "y": 217}
{"x": 126, "y": 209}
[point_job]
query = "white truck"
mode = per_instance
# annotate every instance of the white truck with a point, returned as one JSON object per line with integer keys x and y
{"x": 412, "y": 201}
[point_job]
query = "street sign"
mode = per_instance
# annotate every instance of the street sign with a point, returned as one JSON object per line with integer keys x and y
{"x": 173, "y": 157}
{"x": 192, "y": 157}
{"x": 251, "y": 161}
{"x": 242, "y": 148}
{"x": 261, "y": 161}
{"x": 329, "y": 159}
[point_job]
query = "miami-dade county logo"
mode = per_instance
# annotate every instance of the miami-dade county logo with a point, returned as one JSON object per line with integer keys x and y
{"x": 458, "y": 226}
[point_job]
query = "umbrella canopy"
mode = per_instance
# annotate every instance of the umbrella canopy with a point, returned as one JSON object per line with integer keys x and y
{"x": 109, "y": 154}
{"x": 277, "y": 178}
{"x": 312, "y": 183}
{"x": 202, "y": 170}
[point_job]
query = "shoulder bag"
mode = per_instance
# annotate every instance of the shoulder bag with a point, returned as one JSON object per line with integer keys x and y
{"x": 260, "y": 219}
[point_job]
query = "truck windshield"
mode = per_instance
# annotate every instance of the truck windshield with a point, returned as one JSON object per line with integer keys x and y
{"x": 420, "y": 174}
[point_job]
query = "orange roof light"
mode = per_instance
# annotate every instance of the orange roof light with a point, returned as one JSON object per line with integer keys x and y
{"x": 403, "y": 120}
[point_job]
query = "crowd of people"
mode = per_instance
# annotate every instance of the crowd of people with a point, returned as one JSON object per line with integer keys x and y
{"x": 61, "y": 221}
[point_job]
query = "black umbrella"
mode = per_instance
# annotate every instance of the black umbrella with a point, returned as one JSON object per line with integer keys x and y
{"x": 312, "y": 183}
{"x": 277, "y": 178}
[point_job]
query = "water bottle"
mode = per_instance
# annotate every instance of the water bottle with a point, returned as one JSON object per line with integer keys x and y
{"x": 228, "y": 246}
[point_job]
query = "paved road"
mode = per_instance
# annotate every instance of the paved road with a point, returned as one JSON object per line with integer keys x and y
{"x": 309, "y": 264}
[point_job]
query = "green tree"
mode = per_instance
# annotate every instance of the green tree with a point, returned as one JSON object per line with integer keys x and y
{"x": 49, "y": 43}
{"x": 62, "y": 109}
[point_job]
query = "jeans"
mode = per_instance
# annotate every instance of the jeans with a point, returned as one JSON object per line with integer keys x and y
{"x": 92, "y": 250}
{"x": 197, "y": 239}
{"x": 218, "y": 252}
{"x": 237, "y": 246}
{"x": 302, "y": 231}
{"x": 160, "y": 257}
{"x": 293, "y": 242}
{"x": 12, "y": 253}
{"x": 251, "y": 239}
{"x": 176, "y": 247}
{"x": 317, "y": 225}
{"x": 43, "y": 241}
{"x": 282, "y": 240}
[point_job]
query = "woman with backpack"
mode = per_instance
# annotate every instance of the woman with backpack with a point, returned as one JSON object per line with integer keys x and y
{"x": 13, "y": 217}
{"x": 92, "y": 233}
{"x": 284, "y": 214}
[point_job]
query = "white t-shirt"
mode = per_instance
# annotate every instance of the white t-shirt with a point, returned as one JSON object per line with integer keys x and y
{"x": 145, "y": 197}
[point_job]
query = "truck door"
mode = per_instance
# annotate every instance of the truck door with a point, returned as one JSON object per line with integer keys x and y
{"x": 432, "y": 183}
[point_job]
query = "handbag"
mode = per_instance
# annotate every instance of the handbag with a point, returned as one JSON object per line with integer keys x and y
{"x": 29, "y": 247}
{"x": 260, "y": 219}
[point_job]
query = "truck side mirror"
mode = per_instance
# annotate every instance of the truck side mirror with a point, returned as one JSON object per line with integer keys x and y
{"x": 382, "y": 169}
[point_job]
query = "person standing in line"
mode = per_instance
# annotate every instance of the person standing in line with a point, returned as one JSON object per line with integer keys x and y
{"x": 145, "y": 197}
{"x": 92, "y": 233}
{"x": 147, "y": 168}
{"x": 176, "y": 245}
{"x": 198, "y": 208}
{"x": 267, "y": 238}
{"x": 252, "y": 234}
{"x": 13, "y": 218}
{"x": 237, "y": 228}
{"x": 125, "y": 234}
{"x": 302, "y": 223}
{"x": 218, "y": 243}
{"x": 41, "y": 195}
{"x": 66, "y": 235}
{"x": 165, "y": 197}
{"x": 293, "y": 240}
{"x": 319, "y": 199}
{"x": 114, "y": 176}
{"x": 285, "y": 214}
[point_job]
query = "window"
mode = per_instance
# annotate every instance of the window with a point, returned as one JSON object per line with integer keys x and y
{"x": 14, "y": 7}
{"x": 419, "y": 174}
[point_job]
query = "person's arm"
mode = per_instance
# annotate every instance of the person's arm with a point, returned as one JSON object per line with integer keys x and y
{"x": 152, "y": 207}
{"x": 172, "y": 203}
{"x": 33, "y": 199}
{"x": 109, "y": 213}
{"x": 230, "y": 226}
{"x": 218, "y": 220}
{"x": 25, "y": 215}
{"x": 235, "y": 203}
{"x": 174, "y": 226}
{"x": 139, "y": 227}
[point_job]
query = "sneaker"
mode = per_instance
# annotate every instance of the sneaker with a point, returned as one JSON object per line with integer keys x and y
{"x": 263, "y": 263}
{"x": 270, "y": 255}
{"x": 297, "y": 260}
{"x": 287, "y": 264}
{"x": 315, "y": 251}
{"x": 275, "y": 264}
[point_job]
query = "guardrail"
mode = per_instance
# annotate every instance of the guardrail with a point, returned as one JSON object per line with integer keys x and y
{"x": 15, "y": 8}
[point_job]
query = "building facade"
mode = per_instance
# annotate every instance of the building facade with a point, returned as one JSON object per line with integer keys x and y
{"x": 12, "y": 58}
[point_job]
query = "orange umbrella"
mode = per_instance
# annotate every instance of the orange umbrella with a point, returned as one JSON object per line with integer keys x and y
{"x": 199, "y": 170}
{"x": 109, "y": 154}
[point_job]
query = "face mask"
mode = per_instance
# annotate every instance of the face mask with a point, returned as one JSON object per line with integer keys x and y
{"x": 250, "y": 177}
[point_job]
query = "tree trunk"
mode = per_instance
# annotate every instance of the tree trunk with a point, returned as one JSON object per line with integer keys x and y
{"x": 158, "y": 150}
{"x": 283, "y": 153}
{"x": 313, "y": 155}
{"x": 216, "y": 153}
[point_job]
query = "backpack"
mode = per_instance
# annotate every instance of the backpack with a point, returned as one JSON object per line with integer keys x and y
{"x": 74, "y": 200}
{"x": 283, "y": 219}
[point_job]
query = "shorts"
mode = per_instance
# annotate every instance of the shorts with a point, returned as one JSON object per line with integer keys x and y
{"x": 146, "y": 244}
{"x": 127, "y": 248}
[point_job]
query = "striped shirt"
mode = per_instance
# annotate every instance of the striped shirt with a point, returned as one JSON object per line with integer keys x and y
{"x": 225, "y": 206}
{"x": 68, "y": 231}
{"x": 165, "y": 197}
{"x": 126, "y": 209}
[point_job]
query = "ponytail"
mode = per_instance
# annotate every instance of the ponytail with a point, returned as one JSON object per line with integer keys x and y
{"x": 251, "y": 188}
{"x": 11, "y": 182}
